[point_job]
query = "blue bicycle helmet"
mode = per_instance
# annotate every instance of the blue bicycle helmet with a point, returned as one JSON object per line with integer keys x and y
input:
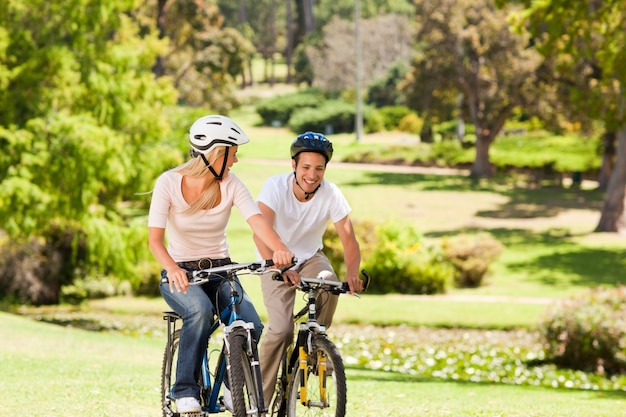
{"x": 312, "y": 142}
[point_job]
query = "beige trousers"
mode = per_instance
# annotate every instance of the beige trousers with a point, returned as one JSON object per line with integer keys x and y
{"x": 279, "y": 301}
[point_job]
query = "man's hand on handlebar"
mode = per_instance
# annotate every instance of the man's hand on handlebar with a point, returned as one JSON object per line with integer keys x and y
{"x": 291, "y": 277}
{"x": 356, "y": 284}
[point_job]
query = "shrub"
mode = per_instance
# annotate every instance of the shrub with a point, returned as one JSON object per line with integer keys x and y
{"x": 411, "y": 123}
{"x": 471, "y": 256}
{"x": 393, "y": 115}
{"x": 280, "y": 108}
{"x": 396, "y": 256}
{"x": 33, "y": 272}
{"x": 588, "y": 332}
{"x": 332, "y": 116}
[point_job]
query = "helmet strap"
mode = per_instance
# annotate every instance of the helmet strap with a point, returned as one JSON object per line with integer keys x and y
{"x": 208, "y": 165}
{"x": 306, "y": 195}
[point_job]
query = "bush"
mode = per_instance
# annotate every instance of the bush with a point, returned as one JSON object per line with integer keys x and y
{"x": 393, "y": 115}
{"x": 471, "y": 256}
{"x": 411, "y": 123}
{"x": 396, "y": 257}
{"x": 280, "y": 108}
{"x": 588, "y": 332}
{"x": 34, "y": 272}
{"x": 332, "y": 116}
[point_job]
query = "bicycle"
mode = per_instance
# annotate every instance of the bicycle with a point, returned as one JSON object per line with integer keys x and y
{"x": 238, "y": 359}
{"x": 312, "y": 379}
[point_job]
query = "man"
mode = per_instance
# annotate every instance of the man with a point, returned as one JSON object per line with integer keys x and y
{"x": 299, "y": 206}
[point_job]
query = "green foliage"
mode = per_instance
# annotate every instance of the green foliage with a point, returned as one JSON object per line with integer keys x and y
{"x": 588, "y": 332}
{"x": 373, "y": 120}
{"x": 393, "y": 115}
{"x": 411, "y": 123}
{"x": 334, "y": 115}
{"x": 471, "y": 256}
{"x": 396, "y": 256}
{"x": 84, "y": 123}
{"x": 448, "y": 153}
{"x": 280, "y": 108}
{"x": 539, "y": 148}
{"x": 384, "y": 91}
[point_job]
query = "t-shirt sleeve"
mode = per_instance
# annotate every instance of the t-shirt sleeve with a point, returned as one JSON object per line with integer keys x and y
{"x": 340, "y": 207}
{"x": 269, "y": 193}
{"x": 243, "y": 199}
{"x": 160, "y": 203}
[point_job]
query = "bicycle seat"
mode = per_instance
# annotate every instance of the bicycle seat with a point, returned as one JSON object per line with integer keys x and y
{"x": 171, "y": 316}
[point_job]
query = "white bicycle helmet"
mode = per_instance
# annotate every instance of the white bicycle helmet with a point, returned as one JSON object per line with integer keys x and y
{"x": 211, "y": 131}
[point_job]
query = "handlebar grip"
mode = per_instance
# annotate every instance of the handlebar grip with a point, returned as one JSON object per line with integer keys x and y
{"x": 366, "y": 279}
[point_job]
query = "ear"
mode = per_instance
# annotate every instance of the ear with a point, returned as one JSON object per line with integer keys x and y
{"x": 293, "y": 164}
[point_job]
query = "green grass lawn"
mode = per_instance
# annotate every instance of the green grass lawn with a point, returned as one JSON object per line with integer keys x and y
{"x": 50, "y": 370}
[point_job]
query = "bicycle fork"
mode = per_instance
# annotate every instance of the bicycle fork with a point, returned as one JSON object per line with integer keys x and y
{"x": 305, "y": 345}
{"x": 251, "y": 349}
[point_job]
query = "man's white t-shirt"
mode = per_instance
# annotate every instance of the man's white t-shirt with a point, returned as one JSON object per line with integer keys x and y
{"x": 201, "y": 234}
{"x": 301, "y": 225}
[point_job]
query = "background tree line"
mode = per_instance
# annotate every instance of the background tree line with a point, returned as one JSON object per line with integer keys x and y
{"x": 93, "y": 94}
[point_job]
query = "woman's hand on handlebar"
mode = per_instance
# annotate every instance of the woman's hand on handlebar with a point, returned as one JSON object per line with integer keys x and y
{"x": 283, "y": 258}
{"x": 178, "y": 280}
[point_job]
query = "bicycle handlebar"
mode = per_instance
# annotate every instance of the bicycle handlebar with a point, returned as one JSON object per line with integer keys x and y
{"x": 202, "y": 276}
{"x": 335, "y": 287}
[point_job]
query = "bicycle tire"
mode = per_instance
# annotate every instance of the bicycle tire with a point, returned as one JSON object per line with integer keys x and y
{"x": 241, "y": 375}
{"x": 167, "y": 370}
{"x": 334, "y": 382}
{"x": 279, "y": 402}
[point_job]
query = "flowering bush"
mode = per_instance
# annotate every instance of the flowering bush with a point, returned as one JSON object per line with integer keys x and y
{"x": 588, "y": 332}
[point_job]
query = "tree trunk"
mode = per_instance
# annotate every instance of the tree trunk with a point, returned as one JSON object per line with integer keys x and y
{"x": 612, "y": 217}
{"x": 608, "y": 158}
{"x": 159, "y": 66}
{"x": 482, "y": 167}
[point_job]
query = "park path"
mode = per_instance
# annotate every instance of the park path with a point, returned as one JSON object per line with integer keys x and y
{"x": 404, "y": 169}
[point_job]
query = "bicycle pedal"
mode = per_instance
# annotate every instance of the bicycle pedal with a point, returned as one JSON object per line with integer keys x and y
{"x": 192, "y": 414}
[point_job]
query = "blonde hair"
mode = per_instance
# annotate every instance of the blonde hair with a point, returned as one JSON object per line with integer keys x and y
{"x": 196, "y": 167}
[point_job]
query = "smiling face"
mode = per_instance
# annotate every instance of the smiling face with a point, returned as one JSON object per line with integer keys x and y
{"x": 309, "y": 168}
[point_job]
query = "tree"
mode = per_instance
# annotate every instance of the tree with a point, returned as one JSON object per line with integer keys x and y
{"x": 203, "y": 56}
{"x": 386, "y": 40}
{"x": 467, "y": 46}
{"x": 589, "y": 37}
{"x": 82, "y": 127}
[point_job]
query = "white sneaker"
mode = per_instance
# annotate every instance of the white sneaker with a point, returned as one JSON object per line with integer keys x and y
{"x": 187, "y": 405}
{"x": 228, "y": 400}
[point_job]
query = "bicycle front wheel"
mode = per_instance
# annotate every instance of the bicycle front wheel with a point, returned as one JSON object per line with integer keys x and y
{"x": 319, "y": 388}
{"x": 243, "y": 376}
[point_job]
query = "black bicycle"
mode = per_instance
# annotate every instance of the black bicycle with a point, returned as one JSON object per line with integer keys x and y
{"x": 238, "y": 359}
{"x": 312, "y": 379}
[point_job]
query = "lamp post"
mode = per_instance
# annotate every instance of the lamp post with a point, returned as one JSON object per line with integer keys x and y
{"x": 359, "y": 70}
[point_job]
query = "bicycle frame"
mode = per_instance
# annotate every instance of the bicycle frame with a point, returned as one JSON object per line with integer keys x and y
{"x": 311, "y": 338}
{"x": 231, "y": 319}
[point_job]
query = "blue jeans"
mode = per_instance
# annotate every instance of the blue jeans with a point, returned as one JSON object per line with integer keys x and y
{"x": 198, "y": 308}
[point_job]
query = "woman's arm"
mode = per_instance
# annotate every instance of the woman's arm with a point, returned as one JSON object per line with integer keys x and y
{"x": 269, "y": 244}
{"x": 177, "y": 276}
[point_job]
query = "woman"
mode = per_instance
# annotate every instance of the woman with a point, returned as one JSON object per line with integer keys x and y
{"x": 194, "y": 201}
